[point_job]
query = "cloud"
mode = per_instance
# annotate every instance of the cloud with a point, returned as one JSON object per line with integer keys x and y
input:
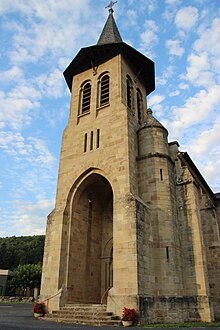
{"x": 196, "y": 109}
{"x": 166, "y": 75}
{"x": 31, "y": 165}
{"x": 132, "y": 17}
{"x": 29, "y": 218}
{"x": 32, "y": 150}
{"x": 174, "y": 48}
{"x": 5, "y": 6}
{"x": 210, "y": 169}
{"x": 151, "y": 6}
{"x": 155, "y": 103}
{"x": 41, "y": 153}
{"x": 175, "y": 93}
{"x": 43, "y": 32}
{"x": 183, "y": 86}
{"x": 205, "y": 150}
{"x": 156, "y": 99}
{"x": 13, "y": 74}
{"x": 207, "y": 140}
{"x": 186, "y": 18}
{"x": 198, "y": 70}
{"x": 149, "y": 36}
{"x": 172, "y": 2}
{"x": 18, "y": 98}
{"x": 44, "y": 10}
{"x": 209, "y": 43}
{"x": 203, "y": 63}
{"x": 22, "y": 101}
{"x": 51, "y": 85}
{"x": 148, "y": 6}
{"x": 15, "y": 111}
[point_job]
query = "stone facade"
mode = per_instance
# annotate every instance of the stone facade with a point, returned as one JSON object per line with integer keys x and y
{"x": 133, "y": 215}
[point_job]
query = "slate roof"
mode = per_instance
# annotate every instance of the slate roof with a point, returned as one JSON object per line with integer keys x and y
{"x": 151, "y": 121}
{"x": 109, "y": 45}
{"x": 110, "y": 33}
{"x": 184, "y": 156}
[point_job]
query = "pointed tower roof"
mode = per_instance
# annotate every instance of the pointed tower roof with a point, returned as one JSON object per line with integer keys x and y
{"x": 109, "y": 45}
{"x": 151, "y": 121}
{"x": 110, "y": 33}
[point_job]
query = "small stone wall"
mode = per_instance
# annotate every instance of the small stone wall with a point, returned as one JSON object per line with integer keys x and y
{"x": 174, "y": 309}
{"x": 16, "y": 299}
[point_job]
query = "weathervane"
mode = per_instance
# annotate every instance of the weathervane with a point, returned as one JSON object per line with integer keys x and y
{"x": 111, "y": 4}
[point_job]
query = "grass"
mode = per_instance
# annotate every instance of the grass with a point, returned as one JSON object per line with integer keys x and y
{"x": 184, "y": 325}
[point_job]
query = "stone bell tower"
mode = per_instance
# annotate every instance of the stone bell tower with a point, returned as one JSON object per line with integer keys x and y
{"x": 91, "y": 238}
{"x": 113, "y": 235}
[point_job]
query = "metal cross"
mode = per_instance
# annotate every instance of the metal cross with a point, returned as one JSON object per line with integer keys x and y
{"x": 111, "y": 4}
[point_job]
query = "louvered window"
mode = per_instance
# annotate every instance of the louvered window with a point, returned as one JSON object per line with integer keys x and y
{"x": 86, "y": 98}
{"x": 139, "y": 106}
{"x": 104, "y": 90}
{"x": 129, "y": 93}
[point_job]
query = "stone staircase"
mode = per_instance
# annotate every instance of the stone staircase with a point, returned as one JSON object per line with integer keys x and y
{"x": 89, "y": 314}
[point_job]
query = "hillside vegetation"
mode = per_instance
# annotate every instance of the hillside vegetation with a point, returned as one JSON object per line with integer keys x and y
{"x": 21, "y": 250}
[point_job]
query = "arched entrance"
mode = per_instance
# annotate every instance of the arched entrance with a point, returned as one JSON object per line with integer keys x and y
{"x": 90, "y": 246}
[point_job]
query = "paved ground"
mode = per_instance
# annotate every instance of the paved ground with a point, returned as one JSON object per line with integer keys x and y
{"x": 20, "y": 317}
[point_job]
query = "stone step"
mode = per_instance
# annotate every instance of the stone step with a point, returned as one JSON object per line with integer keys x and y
{"x": 82, "y": 317}
{"x": 85, "y": 321}
{"x": 90, "y": 314}
{"x": 85, "y": 306}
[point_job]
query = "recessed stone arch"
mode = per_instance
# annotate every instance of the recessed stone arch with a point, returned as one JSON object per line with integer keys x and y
{"x": 90, "y": 229}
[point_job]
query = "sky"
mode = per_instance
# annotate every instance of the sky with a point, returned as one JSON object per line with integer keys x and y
{"x": 38, "y": 40}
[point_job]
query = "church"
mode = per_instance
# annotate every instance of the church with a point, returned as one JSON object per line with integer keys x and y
{"x": 135, "y": 223}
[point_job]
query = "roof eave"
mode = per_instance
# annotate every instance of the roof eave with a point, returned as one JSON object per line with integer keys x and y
{"x": 95, "y": 55}
{"x": 195, "y": 172}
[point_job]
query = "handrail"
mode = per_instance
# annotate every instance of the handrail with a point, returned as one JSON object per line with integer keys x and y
{"x": 61, "y": 289}
{"x": 56, "y": 294}
{"x": 104, "y": 294}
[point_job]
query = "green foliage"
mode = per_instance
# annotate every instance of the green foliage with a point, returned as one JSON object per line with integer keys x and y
{"x": 22, "y": 250}
{"x": 26, "y": 276}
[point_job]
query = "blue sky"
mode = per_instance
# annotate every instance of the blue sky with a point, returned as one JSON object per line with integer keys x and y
{"x": 40, "y": 38}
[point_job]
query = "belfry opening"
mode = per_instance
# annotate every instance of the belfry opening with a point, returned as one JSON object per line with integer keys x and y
{"x": 90, "y": 251}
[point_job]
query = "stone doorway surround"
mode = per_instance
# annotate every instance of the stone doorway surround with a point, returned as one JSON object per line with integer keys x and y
{"x": 90, "y": 266}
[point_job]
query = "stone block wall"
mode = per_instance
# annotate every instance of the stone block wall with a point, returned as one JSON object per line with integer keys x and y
{"x": 173, "y": 309}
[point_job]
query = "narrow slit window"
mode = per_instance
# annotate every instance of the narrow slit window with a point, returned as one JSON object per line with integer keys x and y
{"x": 139, "y": 106}
{"x": 161, "y": 174}
{"x": 129, "y": 93}
{"x": 91, "y": 140}
{"x": 85, "y": 142}
{"x": 85, "y": 98}
{"x": 167, "y": 252}
{"x": 104, "y": 90}
{"x": 98, "y": 139}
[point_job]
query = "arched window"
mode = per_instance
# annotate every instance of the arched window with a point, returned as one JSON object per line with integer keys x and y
{"x": 85, "y": 97}
{"x": 139, "y": 106}
{"x": 129, "y": 93}
{"x": 104, "y": 84}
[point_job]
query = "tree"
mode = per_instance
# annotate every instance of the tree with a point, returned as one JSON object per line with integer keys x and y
{"x": 26, "y": 277}
{"x": 22, "y": 250}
